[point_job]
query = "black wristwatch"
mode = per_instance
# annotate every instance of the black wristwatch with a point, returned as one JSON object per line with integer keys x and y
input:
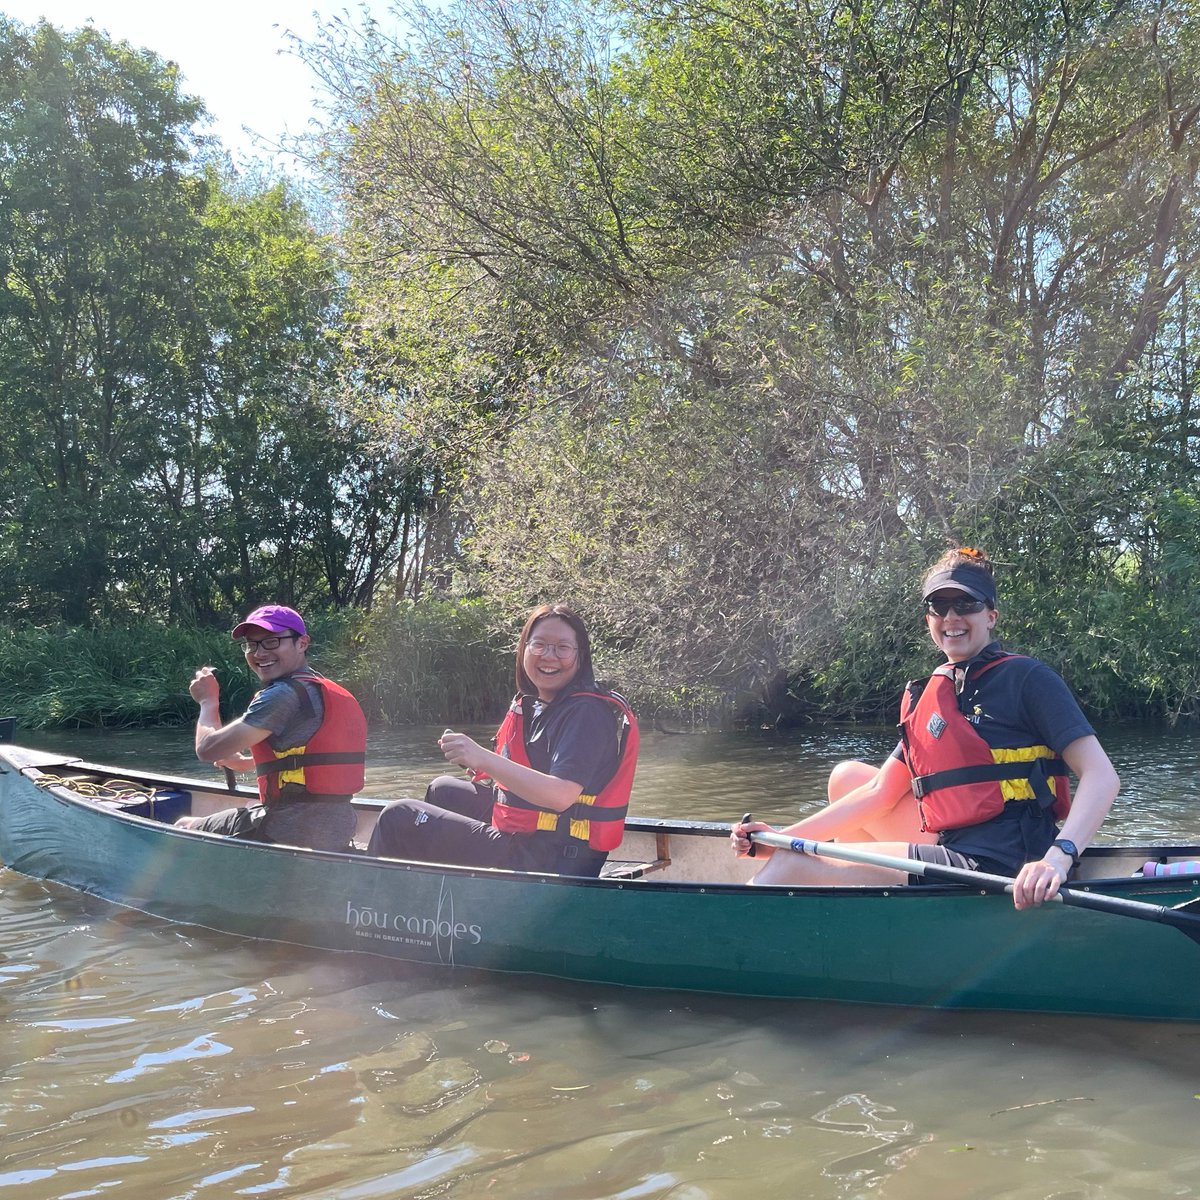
{"x": 1068, "y": 848}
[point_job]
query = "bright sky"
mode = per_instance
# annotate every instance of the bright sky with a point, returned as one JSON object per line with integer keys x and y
{"x": 235, "y": 55}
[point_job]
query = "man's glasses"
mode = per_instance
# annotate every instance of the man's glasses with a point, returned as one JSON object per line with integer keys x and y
{"x": 558, "y": 649}
{"x": 962, "y": 606}
{"x": 249, "y": 645}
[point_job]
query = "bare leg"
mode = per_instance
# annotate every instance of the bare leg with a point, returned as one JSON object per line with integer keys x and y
{"x": 868, "y": 806}
{"x": 844, "y": 778}
{"x": 901, "y": 823}
{"x": 813, "y": 871}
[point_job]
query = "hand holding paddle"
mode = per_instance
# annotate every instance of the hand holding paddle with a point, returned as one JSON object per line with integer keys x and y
{"x": 742, "y": 844}
{"x": 461, "y": 750}
{"x": 752, "y": 849}
{"x": 204, "y": 686}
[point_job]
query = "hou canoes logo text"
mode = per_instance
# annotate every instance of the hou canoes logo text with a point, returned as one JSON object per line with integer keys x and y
{"x": 439, "y": 931}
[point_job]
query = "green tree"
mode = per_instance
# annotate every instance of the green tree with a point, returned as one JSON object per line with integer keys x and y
{"x": 169, "y": 366}
{"x": 98, "y": 250}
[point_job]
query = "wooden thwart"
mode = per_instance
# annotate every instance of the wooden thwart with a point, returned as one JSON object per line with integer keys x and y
{"x": 621, "y": 868}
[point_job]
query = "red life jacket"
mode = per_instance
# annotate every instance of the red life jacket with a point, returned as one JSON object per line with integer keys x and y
{"x": 598, "y": 820}
{"x": 958, "y": 779}
{"x": 331, "y": 762}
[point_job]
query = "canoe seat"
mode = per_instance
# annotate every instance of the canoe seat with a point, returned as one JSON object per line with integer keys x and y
{"x": 624, "y": 868}
{"x": 620, "y": 868}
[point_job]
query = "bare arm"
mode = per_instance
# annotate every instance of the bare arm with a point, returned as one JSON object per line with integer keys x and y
{"x": 890, "y": 786}
{"x": 221, "y": 745}
{"x": 1097, "y": 789}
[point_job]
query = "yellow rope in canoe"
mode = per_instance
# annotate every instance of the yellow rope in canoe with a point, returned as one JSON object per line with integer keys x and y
{"x": 110, "y": 789}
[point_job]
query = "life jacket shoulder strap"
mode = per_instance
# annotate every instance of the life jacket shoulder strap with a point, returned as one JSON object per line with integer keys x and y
{"x": 628, "y": 723}
{"x": 914, "y": 689}
{"x": 303, "y": 695}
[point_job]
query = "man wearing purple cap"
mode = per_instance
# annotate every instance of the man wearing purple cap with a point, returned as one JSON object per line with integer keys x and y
{"x": 303, "y": 734}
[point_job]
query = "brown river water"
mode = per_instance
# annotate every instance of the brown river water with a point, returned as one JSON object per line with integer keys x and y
{"x": 152, "y": 1062}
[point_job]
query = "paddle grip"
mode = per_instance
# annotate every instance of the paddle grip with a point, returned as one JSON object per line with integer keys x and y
{"x": 753, "y": 848}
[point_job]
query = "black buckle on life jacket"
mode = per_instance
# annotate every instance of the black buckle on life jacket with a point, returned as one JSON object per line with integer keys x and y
{"x": 1037, "y": 771}
{"x": 296, "y": 762}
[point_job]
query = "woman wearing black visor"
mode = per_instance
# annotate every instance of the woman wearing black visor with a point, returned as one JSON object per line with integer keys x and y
{"x": 987, "y": 743}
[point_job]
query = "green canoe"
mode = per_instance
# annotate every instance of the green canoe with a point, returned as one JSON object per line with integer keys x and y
{"x": 672, "y": 910}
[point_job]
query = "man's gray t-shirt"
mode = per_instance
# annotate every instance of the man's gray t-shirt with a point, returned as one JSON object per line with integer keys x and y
{"x": 281, "y": 709}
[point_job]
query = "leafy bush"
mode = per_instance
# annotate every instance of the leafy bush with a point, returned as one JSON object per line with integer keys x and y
{"x": 433, "y": 661}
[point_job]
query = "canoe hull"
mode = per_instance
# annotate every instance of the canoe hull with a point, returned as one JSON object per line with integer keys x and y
{"x": 938, "y": 947}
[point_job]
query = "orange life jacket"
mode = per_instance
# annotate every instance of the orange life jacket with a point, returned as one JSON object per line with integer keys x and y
{"x": 598, "y": 820}
{"x": 331, "y": 762}
{"x": 958, "y": 779}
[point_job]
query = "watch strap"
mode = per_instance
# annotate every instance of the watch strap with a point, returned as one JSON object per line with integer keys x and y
{"x": 1068, "y": 848}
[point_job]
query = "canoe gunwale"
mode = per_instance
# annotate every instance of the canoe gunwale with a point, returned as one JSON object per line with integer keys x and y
{"x": 64, "y": 794}
{"x": 641, "y": 824}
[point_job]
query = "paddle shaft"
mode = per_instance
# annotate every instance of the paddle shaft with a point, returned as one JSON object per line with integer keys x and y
{"x": 1115, "y": 905}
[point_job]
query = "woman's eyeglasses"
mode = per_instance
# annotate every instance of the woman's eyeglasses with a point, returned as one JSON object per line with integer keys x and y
{"x": 962, "y": 606}
{"x": 562, "y": 650}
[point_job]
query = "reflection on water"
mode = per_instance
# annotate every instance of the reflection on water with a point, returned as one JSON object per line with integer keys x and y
{"x": 155, "y": 1062}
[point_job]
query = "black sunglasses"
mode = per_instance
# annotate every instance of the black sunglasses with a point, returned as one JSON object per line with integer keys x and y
{"x": 962, "y": 606}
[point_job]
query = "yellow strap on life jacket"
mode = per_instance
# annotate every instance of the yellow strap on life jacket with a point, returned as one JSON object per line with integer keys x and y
{"x": 582, "y": 829}
{"x": 296, "y": 774}
{"x": 1020, "y": 789}
{"x": 579, "y": 829}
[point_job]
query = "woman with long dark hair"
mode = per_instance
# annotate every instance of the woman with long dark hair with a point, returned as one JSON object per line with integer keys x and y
{"x": 553, "y": 794}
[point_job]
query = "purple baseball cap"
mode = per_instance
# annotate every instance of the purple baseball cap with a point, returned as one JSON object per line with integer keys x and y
{"x": 272, "y": 616}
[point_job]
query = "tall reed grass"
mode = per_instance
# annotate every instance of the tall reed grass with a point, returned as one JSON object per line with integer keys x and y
{"x": 407, "y": 663}
{"x": 115, "y": 677}
{"x": 432, "y": 662}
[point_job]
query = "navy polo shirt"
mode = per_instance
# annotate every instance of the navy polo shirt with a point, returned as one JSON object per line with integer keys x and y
{"x": 1021, "y": 703}
{"x": 575, "y": 738}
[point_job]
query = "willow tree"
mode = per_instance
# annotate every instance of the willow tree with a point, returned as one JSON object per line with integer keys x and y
{"x": 728, "y": 316}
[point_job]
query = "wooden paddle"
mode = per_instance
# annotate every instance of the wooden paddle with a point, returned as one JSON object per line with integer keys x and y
{"x": 1182, "y": 920}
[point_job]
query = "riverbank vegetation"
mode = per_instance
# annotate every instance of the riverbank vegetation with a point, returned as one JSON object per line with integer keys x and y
{"x": 407, "y": 663}
{"x": 718, "y": 323}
